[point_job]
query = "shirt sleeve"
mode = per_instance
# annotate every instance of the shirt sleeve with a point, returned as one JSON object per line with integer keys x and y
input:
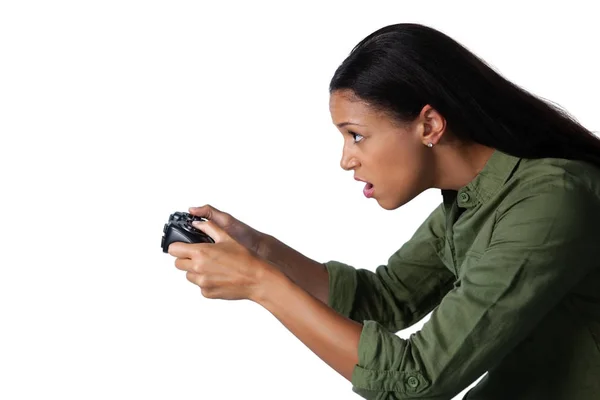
{"x": 402, "y": 292}
{"x": 541, "y": 246}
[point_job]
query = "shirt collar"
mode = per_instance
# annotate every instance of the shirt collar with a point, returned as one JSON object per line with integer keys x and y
{"x": 486, "y": 183}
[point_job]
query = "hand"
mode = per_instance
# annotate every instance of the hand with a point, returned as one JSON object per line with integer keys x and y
{"x": 223, "y": 270}
{"x": 239, "y": 231}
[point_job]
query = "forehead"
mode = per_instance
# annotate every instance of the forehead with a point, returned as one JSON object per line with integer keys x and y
{"x": 345, "y": 106}
{"x": 346, "y": 101}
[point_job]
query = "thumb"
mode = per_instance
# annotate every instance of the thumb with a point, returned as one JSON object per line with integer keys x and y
{"x": 211, "y": 229}
{"x": 211, "y": 213}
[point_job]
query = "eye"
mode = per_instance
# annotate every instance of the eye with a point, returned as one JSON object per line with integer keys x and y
{"x": 356, "y": 136}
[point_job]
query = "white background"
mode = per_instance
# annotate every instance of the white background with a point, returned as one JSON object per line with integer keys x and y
{"x": 114, "y": 114}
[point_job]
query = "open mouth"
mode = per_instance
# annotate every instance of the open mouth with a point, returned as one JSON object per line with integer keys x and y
{"x": 368, "y": 190}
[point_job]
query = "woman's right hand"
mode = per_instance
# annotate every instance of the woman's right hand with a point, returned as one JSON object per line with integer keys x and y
{"x": 309, "y": 274}
{"x": 244, "y": 234}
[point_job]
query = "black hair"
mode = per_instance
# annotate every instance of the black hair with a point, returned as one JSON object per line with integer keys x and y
{"x": 403, "y": 67}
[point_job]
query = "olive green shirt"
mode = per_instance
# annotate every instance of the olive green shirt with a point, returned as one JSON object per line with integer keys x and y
{"x": 510, "y": 266}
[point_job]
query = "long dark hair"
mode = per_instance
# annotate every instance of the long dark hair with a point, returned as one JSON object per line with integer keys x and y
{"x": 401, "y": 68}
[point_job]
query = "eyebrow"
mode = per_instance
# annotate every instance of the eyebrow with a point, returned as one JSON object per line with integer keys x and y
{"x": 342, "y": 124}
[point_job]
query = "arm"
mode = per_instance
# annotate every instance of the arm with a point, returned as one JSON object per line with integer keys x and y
{"x": 362, "y": 294}
{"x": 398, "y": 294}
{"x": 332, "y": 337}
{"x": 542, "y": 245}
{"x": 309, "y": 274}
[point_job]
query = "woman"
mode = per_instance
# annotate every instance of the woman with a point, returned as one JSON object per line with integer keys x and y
{"x": 509, "y": 262}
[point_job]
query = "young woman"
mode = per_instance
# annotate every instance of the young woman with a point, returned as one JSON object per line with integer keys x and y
{"x": 509, "y": 262}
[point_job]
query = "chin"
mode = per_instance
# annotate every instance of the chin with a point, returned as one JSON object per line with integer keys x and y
{"x": 394, "y": 203}
{"x": 388, "y": 205}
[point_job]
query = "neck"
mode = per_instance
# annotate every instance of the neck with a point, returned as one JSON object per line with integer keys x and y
{"x": 457, "y": 165}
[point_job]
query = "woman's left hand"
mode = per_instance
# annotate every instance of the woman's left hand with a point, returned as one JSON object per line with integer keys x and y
{"x": 223, "y": 270}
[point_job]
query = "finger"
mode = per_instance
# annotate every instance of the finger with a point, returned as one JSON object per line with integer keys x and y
{"x": 195, "y": 265}
{"x": 212, "y": 229}
{"x": 209, "y": 212}
{"x": 184, "y": 264}
{"x": 209, "y": 293}
{"x": 199, "y": 279}
{"x": 192, "y": 277}
{"x": 184, "y": 250}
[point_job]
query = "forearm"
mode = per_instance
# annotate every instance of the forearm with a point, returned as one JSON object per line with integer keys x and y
{"x": 332, "y": 337}
{"x": 309, "y": 274}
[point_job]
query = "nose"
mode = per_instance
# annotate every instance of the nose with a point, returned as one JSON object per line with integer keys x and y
{"x": 348, "y": 161}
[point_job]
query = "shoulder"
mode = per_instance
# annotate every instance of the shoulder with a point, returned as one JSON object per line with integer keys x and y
{"x": 555, "y": 173}
{"x": 548, "y": 198}
{"x": 552, "y": 183}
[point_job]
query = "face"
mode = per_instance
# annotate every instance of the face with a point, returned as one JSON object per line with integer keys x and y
{"x": 393, "y": 158}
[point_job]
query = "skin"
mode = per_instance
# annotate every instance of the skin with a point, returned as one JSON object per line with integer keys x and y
{"x": 395, "y": 158}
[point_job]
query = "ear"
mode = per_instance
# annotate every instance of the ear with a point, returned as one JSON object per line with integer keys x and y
{"x": 434, "y": 125}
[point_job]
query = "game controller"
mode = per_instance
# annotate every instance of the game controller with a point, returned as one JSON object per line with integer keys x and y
{"x": 180, "y": 229}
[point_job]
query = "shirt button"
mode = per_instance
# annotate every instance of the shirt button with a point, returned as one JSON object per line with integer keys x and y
{"x": 413, "y": 382}
{"x": 464, "y": 197}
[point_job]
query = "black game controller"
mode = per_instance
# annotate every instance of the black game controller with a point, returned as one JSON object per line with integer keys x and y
{"x": 180, "y": 229}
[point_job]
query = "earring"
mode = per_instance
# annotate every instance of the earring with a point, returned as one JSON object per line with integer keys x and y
{"x": 429, "y": 144}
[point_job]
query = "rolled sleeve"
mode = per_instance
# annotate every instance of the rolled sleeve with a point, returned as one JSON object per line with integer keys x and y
{"x": 542, "y": 245}
{"x": 380, "y": 365}
{"x": 400, "y": 293}
{"x": 342, "y": 286}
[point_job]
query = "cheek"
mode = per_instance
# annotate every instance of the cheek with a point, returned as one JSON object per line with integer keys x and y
{"x": 402, "y": 176}
{"x": 400, "y": 164}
